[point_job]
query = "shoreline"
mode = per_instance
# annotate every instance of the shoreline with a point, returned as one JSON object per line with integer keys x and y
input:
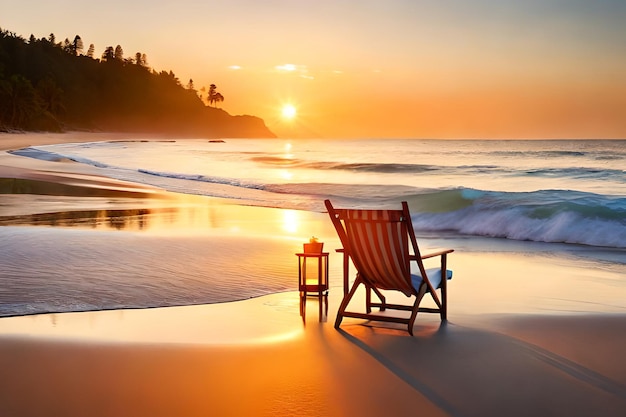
{"x": 18, "y": 140}
{"x": 524, "y": 337}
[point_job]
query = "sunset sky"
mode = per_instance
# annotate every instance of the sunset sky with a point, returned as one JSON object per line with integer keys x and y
{"x": 365, "y": 68}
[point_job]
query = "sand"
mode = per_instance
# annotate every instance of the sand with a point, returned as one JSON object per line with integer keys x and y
{"x": 519, "y": 346}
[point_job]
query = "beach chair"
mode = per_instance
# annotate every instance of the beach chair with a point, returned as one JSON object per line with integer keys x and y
{"x": 382, "y": 246}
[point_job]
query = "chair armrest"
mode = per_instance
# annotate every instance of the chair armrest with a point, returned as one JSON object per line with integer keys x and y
{"x": 432, "y": 255}
{"x": 442, "y": 252}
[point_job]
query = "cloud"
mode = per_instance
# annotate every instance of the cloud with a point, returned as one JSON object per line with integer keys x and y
{"x": 301, "y": 70}
{"x": 286, "y": 67}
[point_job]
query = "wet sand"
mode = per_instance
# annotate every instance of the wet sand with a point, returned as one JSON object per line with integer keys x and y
{"x": 256, "y": 357}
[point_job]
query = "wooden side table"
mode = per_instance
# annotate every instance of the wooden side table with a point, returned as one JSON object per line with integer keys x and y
{"x": 313, "y": 278}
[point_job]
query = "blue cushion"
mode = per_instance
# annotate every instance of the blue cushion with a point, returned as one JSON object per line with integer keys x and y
{"x": 434, "y": 275}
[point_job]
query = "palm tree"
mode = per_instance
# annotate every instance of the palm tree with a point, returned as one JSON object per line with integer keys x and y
{"x": 218, "y": 98}
{"x": 214, "y": 96}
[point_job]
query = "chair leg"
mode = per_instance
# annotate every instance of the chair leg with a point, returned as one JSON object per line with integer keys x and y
{"x": 416, "y": 306}
{"x": 345, "y": 302}
{"x": 368, "y": 299}
{"x": 382, "y": 299}
{"x": 444, "y": 303}
{"x": 444, "y": 289}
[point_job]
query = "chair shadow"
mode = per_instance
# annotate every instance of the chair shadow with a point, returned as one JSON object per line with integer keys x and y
{"x": 466, "y": 371}
{"x": 424, "y": 388}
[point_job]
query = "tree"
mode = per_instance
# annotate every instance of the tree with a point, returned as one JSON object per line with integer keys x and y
{"x": 51, "y": 95}
{"x": 211, "y": 94}
{"x": 141, "y": 59}
{"x": 18, "y": 101}
{"x": 67, "y": 46}
{"x": 91, "y": 50}
{"x": 108, "y": 54}
{"x": 119, "y": 53}
{"x": 214, "y": 96}
{"x": 190, "y": 85}
{"x": 174, "y": 77}
{"x": 52, "y": 39}
{"x": 218, "y": 98}
{"x": 77, "y": 45}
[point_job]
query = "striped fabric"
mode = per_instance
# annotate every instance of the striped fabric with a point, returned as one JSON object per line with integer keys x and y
{"x": 379, "y": 247}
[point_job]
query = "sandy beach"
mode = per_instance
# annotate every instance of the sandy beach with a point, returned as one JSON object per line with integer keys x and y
{"x": 547, "y": 341}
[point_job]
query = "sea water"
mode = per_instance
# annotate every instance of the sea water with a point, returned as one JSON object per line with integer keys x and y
{"x": 543, "y": 191}
{"x": 570, "y": 194}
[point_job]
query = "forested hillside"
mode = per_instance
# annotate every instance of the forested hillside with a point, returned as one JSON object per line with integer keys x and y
{"x": 47, "y": 85}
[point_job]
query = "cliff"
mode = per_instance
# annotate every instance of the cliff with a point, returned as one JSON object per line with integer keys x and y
{"x": 49, "y": 86}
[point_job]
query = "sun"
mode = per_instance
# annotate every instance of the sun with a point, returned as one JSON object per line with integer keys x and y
{"x": 289, "y": 111}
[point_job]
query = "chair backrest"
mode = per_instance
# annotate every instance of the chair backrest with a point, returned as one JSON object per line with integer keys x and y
{"x": 378, "y": 243}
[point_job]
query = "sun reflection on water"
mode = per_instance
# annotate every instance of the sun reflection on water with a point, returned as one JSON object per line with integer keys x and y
{"x": 290, "y": 221}
{"x": 286, "y": 175}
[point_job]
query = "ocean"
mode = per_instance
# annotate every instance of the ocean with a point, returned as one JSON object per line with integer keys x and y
{"x": 565, "y": 196}
{"x": 542, "y": 191}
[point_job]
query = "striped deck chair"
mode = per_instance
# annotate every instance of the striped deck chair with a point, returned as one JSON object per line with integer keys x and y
{"x": 384, "y": 251}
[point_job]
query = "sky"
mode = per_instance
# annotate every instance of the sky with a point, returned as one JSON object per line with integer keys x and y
{"x": 374, "y": 68}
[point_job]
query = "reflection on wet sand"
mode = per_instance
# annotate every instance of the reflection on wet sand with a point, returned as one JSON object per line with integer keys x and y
{"x": 130, "y": 219}
{"x": 46, "y": 197}
{"x": 184, "y": 215}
